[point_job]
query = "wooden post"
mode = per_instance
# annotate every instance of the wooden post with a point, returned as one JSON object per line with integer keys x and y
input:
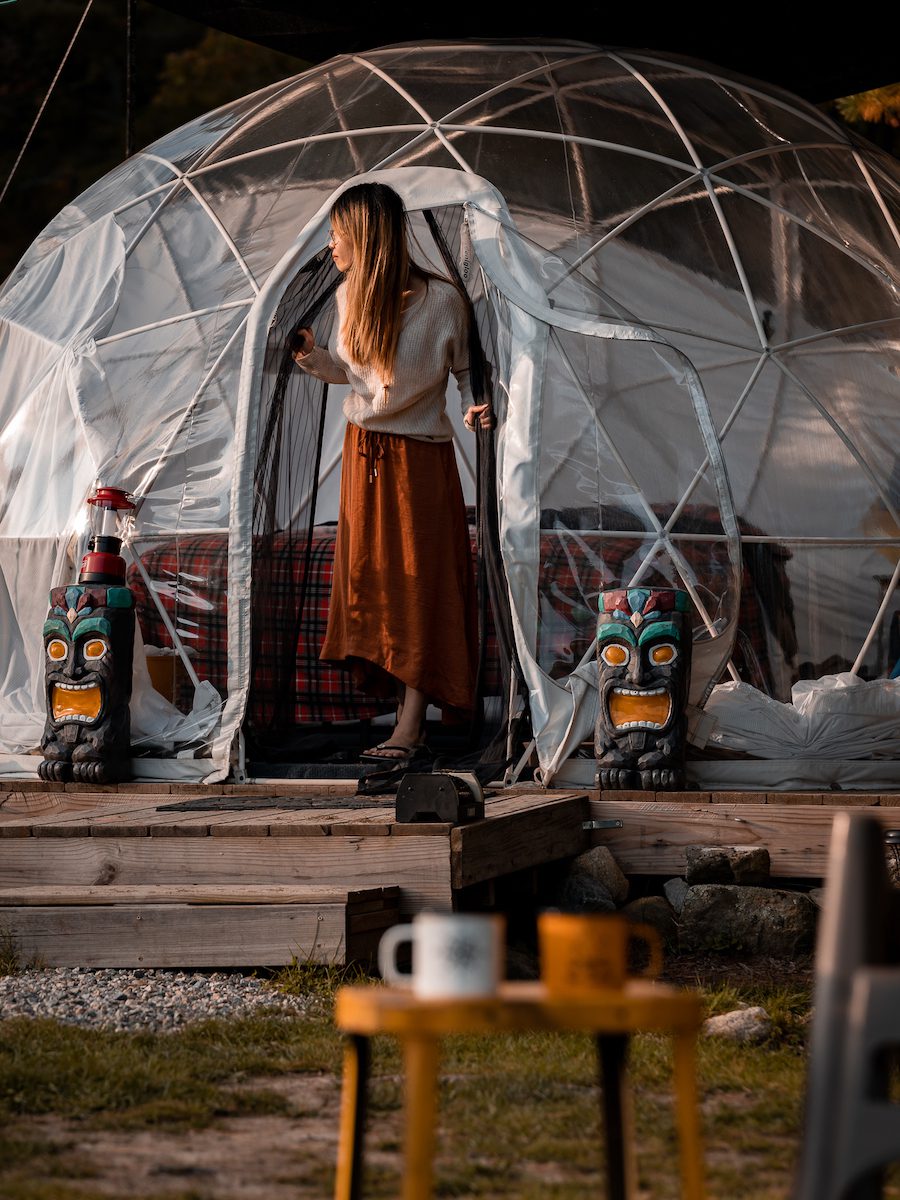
{"x": 420, "y": 1058}
{"x": 687, "y": 1116}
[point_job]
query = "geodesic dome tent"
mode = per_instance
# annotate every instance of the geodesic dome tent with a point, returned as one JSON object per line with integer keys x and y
{"x": 685, "y": 284}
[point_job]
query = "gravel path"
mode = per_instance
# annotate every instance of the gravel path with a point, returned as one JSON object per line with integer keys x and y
{"x": 138, "y": 999}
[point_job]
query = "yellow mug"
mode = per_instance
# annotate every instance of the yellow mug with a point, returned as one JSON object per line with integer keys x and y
{"x": 582, "y": 953}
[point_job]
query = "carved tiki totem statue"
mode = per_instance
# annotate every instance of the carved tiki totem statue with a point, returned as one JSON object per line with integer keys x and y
{"x": 644, "y": 659}
{"x": 88, "y": 650}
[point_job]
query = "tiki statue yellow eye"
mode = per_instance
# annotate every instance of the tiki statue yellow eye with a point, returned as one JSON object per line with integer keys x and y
{"x": 57, "y": 650}
{"x": 663, "y": 655}
{"x": 615, "y": 655}
{"x": 94, "y": 649}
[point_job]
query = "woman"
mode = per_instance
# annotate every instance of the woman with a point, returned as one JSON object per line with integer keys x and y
{"x": 402, "y": 603}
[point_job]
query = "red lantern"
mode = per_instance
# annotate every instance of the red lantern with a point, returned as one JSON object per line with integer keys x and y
{"x": 103, "y": 563}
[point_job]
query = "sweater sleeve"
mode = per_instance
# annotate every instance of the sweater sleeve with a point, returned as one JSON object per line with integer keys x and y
{"x": 319, "y": 362}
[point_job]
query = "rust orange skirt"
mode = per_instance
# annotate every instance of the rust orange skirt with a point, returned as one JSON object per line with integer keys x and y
{"x": 403, "y": 596}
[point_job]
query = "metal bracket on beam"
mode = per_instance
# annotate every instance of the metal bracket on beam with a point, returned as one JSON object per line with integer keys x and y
{"x": 605, "y": 824}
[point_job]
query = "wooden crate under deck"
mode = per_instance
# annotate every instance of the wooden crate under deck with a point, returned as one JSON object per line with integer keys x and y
{"x": 157, "y": 926}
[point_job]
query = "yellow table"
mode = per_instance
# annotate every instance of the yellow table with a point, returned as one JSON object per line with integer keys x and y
{"x": 612, "y": 1016}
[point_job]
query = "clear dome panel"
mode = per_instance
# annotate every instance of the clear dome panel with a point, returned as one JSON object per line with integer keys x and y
{"x": 673, "y": 270}
{"x": 600, "y": 98}
{"x": 802, "y": 284}
{"x": 576, "y": 566}
{"x": 134, "y": 177}
{"x": 337, "y": 100}
{"x": 726, "y": 372}
{"x": 424, "y": 151}
{"x": 131, "y": 179}
{"x": 620, "y": 505}
{"x": 133, "y": 218}
{"x": 824, "y": 189}
{"x": 635, "y": 419}
{"x": 265, "y": 201}
{"x": 43, "y": 442}
{"x": 181, "y": 584}
{"x": 168, "y": 364}
{"x": 183, "y": 146}
{"x": 531, "y": 168}
{"x": 530, "y": 105}
{"x": 609, "y": 187}
{"x": 444, "y": 80}
{"x": 550, "y": 265}
{"x": 833, "y": 599}
{"x": 792, "y": 473}
{"x": 723, "y": 118}
{"x": 886, "y": 179}
{"x": 189, "y": 487}
{"x": 862, "y": 397}
{"x": 181, "y": 264}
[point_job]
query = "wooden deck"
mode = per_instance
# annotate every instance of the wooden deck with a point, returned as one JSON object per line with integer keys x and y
{"x": 157, "y": 874}
{"x": 141, "y": 877}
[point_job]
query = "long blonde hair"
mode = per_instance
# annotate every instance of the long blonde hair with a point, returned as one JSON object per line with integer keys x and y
{"x": 372, "y": 218}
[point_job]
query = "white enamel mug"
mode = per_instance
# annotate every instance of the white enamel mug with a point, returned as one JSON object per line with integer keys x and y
{"x": 454, "y": 954}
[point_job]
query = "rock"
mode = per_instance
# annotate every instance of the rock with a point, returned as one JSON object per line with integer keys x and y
{"x": 750, "y": 865}
{"x": 707, "y": 864}
{"x": 580, "y": 892}
{"x": 744, "y": 865}
{"x": 817, "y": 895}
{"x": 599, "y": 863}
{"x": 656, "y": 912}
{"x": 747, "y": 920}
{"x": 675, "y": 891}
{"x": 747, "y": 1025}
{"x": 892, "y": 853}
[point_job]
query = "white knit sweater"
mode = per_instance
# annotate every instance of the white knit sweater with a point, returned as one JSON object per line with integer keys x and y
{"x": 433, "y": 342}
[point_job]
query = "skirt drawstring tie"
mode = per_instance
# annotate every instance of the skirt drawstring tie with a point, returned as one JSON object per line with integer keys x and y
{"x": 371, "y": 447}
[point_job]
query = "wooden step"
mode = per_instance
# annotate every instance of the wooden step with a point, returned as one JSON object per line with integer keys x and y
{"x": 181, "y": 925}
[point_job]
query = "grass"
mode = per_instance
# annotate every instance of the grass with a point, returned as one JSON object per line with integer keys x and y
{"x": 519, "y": 1114}
{"x": 11, "y": 956}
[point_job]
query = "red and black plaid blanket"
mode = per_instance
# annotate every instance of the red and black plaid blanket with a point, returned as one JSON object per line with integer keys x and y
{"x": 290, "y": 684}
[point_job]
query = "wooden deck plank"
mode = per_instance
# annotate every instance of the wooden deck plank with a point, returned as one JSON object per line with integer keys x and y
{"x": 300, "y": 824}
{"x": 361, "y": 899}
{"x": 366, "y": 822}
{"x": 421, "y": 829}
{"x": 83, "y": 823}
{"x": 37, "y": 806}
{"x": 34, "y": 784}
{"x": 514, "y": 840}
{"x": 420, "y": 866}
{"x": 654, "y": 836}
{"x": 312, "y": 787}
{"x": 175, "y": 935}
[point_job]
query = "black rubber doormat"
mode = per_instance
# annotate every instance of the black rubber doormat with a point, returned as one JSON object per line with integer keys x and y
{"x": 295, "y": 803}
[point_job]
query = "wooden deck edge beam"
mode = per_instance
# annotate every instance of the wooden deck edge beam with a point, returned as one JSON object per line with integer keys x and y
{"x": 654, "y": 836}
{"x": 515, "y": 841}
{"x": 166, "y": 935}
{"x": 359, "y": 899}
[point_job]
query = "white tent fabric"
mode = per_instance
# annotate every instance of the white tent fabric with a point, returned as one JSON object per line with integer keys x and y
{"x": 692, "y": 281}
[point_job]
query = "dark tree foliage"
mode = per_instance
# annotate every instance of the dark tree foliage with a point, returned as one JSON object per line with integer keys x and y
{"x": 181, "y": 69}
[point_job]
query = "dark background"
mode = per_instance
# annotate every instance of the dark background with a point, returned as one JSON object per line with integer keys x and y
{"x": 182, "y": 67}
